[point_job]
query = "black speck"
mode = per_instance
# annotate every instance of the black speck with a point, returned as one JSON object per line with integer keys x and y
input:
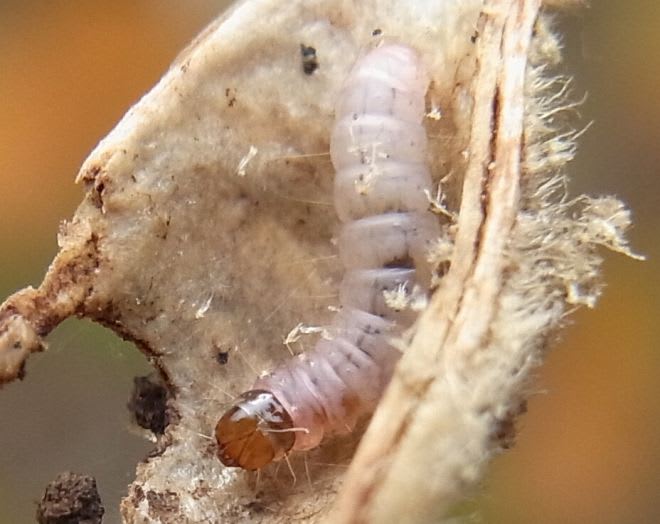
{"x": 377, "y": 32}
{"x": 309, "y": 61}
{"x": 21, "y": 371}
{"x": 255, "y": 507}
{"x": 230, "y": 94}
{"x": 222, "y": 357}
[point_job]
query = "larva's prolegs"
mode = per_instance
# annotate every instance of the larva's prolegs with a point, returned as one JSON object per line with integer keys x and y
{"x": 378, "y": 148}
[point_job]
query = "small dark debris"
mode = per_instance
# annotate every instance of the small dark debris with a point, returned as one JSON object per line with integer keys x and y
{"x": 70, "y": 499}
{"x": 309, "y": 61}
{"x": 230, "y": 94}
{"x": 162, "y": 504}
{"x": 474, "y": 37}
{"x": 377, "y": 32}
{"x": 504, "y": 431}
{"x": 21, "y": 371}
{"x": 222, "y": 357}
{"x": 138, "y": 493}
{"x": 162, "y": 501}
{"x": 166, "y": 228}
{"x": 148, "y": 404}
{"x": 255, "y": 507}
{"x": 443, "y": 268}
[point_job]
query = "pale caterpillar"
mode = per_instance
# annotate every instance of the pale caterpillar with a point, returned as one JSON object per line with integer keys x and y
{"x": 378, "y": 148}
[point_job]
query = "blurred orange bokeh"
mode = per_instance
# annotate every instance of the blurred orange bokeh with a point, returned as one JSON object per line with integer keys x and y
{"x": 589, "y": 448}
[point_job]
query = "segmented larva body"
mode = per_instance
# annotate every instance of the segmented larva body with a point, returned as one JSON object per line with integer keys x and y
{"x": 378, "y": 148}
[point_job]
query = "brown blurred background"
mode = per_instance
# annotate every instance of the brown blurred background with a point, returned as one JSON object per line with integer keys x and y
{"x": 589, "y": 450}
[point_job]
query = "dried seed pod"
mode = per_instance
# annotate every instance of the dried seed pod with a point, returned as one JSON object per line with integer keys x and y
{"x": 378, "y": 147}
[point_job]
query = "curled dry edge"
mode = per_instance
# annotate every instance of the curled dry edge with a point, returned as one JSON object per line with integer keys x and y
{"x": 206, "y": 228}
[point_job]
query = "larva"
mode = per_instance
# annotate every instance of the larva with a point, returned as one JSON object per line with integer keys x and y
{"x": 378, "y": 149}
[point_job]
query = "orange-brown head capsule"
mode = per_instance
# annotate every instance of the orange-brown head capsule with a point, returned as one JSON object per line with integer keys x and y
{"x": 254, "y": 432}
